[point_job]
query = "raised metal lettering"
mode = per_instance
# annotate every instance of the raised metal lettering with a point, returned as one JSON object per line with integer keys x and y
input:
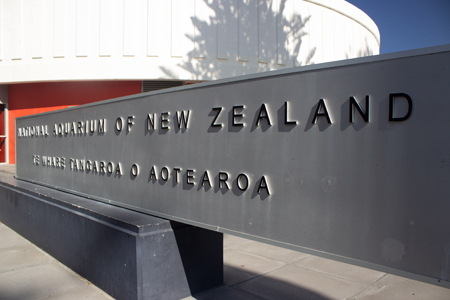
{"x": 263, "y": 115}
{"x": 223, "y": 177}
{"x": 392, "y": 97}
{"x": 165, "y": 120}
{"x": 190, "y": 176}
{"x": 237, "y": 115}
{"x": 354, "y": 104}
{"x": 321, "y": 106}
{"x": 213, "y": 123}
{"x": 242, "y": 182}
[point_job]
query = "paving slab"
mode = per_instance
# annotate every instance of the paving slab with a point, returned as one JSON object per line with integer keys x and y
{"x": 89, "y": 292}
{"x": 339, "y": 269}
{"x": 389, "y": 279}
{"x": 232, "y": 241}
{"x": 405, "y": 289}
{"x": 272, "y": 252}
{"x": 37, "y": 282}
{"x": 293, "y": 283}
{"x": 21, "y": 256}
{"x": 7, "y": 171}
{"x": 229, "y": 293}
{"x": 10, "y": 238}
{"x": 240, "y": 266}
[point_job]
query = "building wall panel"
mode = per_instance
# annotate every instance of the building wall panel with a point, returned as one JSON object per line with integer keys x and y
{"x": 227, "y": 29}
{"x": 106, "y": 28}
{"x": 301, "y": 34}
{"x": 205, "y": 28}
{"x": 177, "y": 39}
{"x": 267, "y": 30}
{"x": 348, "y": 38}
{"x": 59, "y": 28}
{"x": 328, "y": 35}
{"x": 15, "y": 11}
{"x": 130, "y": 19}
{"x": 182, "y": 27}
{"x": 154, "y": 37}
{"x": 37, "y": 28}
{"x": 82, "y": 28}
{"x": 357, "y": 42}
{"x": 285, "y": 14}
{"x": 315, "y": 33}
{"x": 248, "y": 30}
{"x": 339, "y": 43}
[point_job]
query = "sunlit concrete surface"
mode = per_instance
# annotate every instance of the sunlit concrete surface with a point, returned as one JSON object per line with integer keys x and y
{"x": 258, "y": 271}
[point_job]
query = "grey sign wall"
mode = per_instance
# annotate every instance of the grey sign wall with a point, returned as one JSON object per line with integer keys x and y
{"x": 348, "y": 160}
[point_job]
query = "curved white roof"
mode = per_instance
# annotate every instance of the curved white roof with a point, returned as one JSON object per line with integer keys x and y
{"x": 175, "y": 39}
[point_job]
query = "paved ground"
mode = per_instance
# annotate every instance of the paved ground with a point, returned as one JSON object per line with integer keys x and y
{"x": 252, "y": 271}
{"x": 27, "y": 272}
{"x": 7, "y": 171}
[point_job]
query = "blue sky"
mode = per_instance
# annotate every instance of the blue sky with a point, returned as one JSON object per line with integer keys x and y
{"x": 408, "y": 24}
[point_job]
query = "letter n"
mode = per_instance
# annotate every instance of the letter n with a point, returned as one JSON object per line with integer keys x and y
{"x": 150, "y": 122}
{"x": 354, "y": 104}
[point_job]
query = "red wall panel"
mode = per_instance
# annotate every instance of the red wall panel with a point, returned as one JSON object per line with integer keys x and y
{"x": 32, "y": 98}
{"x": 2, "y": 132}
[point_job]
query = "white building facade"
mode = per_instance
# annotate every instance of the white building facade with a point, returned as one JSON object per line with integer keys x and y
{"x": 46, "y": 42}
{"x": 175, "y": 39}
